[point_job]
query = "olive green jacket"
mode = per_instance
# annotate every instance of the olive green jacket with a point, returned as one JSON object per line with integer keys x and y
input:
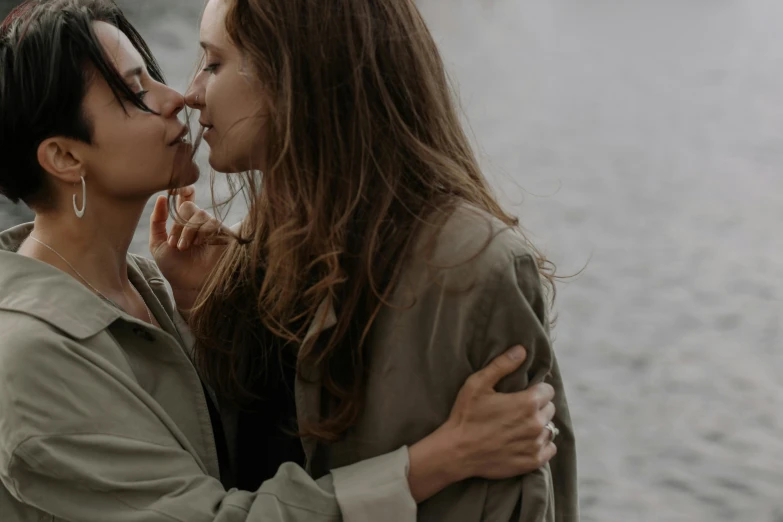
{"x": 103, "y": 418}
{"x": 469, "y": 290}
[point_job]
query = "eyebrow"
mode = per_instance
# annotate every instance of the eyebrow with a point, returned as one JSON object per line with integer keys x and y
{"x": 207, "y": 46}
{"x": 133, "y": 73}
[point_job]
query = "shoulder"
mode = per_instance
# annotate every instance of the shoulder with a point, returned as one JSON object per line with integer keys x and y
{"x": 34, "y": 357}
{"x": 479, "y": 277}
{"x": 471, "y": 245}
{"x": 26, "y": 339}
{"x": 52, "y": 383}
{"x": 31, "y": 351}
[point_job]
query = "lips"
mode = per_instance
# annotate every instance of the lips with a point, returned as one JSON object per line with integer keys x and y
{"x": 181, "y": 138}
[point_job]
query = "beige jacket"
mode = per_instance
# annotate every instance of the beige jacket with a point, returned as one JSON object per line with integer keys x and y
{"x": 479, "y": 294}
{"x": 103, "y": 418}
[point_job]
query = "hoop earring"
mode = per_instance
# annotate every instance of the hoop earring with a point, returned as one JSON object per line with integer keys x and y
{"x": 80, "y": 211}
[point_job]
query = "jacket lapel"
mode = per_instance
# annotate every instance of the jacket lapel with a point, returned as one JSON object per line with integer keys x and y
{"x": 307, "y": 389}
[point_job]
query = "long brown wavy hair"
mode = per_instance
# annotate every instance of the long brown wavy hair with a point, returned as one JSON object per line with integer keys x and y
{"x": 365, "y": 144}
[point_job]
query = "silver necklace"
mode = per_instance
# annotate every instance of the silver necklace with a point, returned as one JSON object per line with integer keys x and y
{"x": 149, "y": 313}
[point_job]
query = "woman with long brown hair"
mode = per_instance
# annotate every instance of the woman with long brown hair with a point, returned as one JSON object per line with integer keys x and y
{"x": 375, "y": 268}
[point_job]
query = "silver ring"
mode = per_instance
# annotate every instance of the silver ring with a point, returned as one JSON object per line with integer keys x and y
{"x": 553, "y": 429}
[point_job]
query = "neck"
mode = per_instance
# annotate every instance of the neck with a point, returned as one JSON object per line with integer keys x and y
{"x": 96, "y": 245}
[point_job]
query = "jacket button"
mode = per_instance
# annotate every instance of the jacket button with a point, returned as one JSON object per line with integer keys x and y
{"x": 144, "y": 334}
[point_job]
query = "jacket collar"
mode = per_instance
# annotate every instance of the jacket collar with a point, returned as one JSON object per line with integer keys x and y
{"x": 42, "y": 291}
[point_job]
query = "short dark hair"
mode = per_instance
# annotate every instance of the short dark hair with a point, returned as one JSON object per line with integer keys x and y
{"x": 49, "y": 54}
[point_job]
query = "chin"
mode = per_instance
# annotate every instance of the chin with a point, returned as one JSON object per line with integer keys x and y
{"x": 224, "y": 165}
{"x": 185, "y": 173}
{"x": 193, "y": 174}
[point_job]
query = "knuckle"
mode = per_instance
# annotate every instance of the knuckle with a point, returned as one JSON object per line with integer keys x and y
{"x": 528, "y": 406}
{"x": 190, "y": 230}
{"x": 550, "y": 411}
{"x": 500, "y": 363}
{"x": 544, "y": 391}
{"x": 538, "y": 445}
{"x": 539, "y": 460}
{"x": 188, "y": 208}
{"x": 539, "y": 422}
{"x": 473, "y": 383}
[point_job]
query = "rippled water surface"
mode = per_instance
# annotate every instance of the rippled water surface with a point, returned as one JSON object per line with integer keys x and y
{"x": 644, "y": 138}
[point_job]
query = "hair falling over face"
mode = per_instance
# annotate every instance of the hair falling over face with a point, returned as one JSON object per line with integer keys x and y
{"x": 364, "y": 144}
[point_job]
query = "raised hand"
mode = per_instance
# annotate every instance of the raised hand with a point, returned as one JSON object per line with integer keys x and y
{"x": 189, "y": 253}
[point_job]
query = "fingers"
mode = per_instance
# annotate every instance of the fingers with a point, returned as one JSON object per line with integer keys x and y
{"x": 186, "y": 207}
{"x": 186, "y": 195}
{"x": 198, "y": 224}
{"x": 203, "y": 229}
{"x": 542, "y": 393}
{"x": 534, "y": 403}
{"x": 176, "y": 232}
{"x": 548, "y": 412}
{"x": 158, "y": 219}
{"x": 197, "y": 227}
{"x": 538, "y": 454}
{"x": 545, "y": 416}
{"x": 501, "y": 366}
{"x": 546, "y": 454}
{"x": 188, "y": 214}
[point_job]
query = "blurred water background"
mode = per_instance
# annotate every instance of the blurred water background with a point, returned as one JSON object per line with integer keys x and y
{"x": 644, "y": 138}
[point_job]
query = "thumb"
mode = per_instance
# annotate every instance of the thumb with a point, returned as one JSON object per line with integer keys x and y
{"x": 501, "y": 366}
{"x": 158, "y": 221}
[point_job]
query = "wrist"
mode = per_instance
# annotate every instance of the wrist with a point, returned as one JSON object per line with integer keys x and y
{"x": 455, "y": 453}
{"x": 436, "y": 463}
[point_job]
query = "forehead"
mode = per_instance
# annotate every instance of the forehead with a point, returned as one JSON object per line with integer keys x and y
{"x": 117, "y": 46}
{"x": 213, "y": 21}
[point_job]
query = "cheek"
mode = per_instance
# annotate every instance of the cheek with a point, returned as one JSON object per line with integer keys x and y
{"x": 214, "y": 95}
{"x": 138, "y": 149}
{"x": 231, "y": 99}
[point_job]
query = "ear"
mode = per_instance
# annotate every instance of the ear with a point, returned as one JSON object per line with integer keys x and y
{"x": 61, "y": 158}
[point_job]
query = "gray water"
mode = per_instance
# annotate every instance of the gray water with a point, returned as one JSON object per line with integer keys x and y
{"x": 642, "y": 138}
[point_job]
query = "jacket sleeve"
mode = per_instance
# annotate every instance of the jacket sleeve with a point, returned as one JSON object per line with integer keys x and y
{"x": 376, "y": 489}
{"x": 516, "y": 313}
{"x": 78, "y": 442}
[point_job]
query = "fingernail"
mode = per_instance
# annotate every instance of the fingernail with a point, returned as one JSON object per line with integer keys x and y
{"x": 182, "y": 244}
{"x": 172, "y": 242}
{"x": 516, "y": 353}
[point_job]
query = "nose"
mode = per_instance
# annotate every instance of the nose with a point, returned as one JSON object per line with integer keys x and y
{"x": 194, "y": 97}
{"x": 173, "y": 104}
{"x": 193, "y": 100}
